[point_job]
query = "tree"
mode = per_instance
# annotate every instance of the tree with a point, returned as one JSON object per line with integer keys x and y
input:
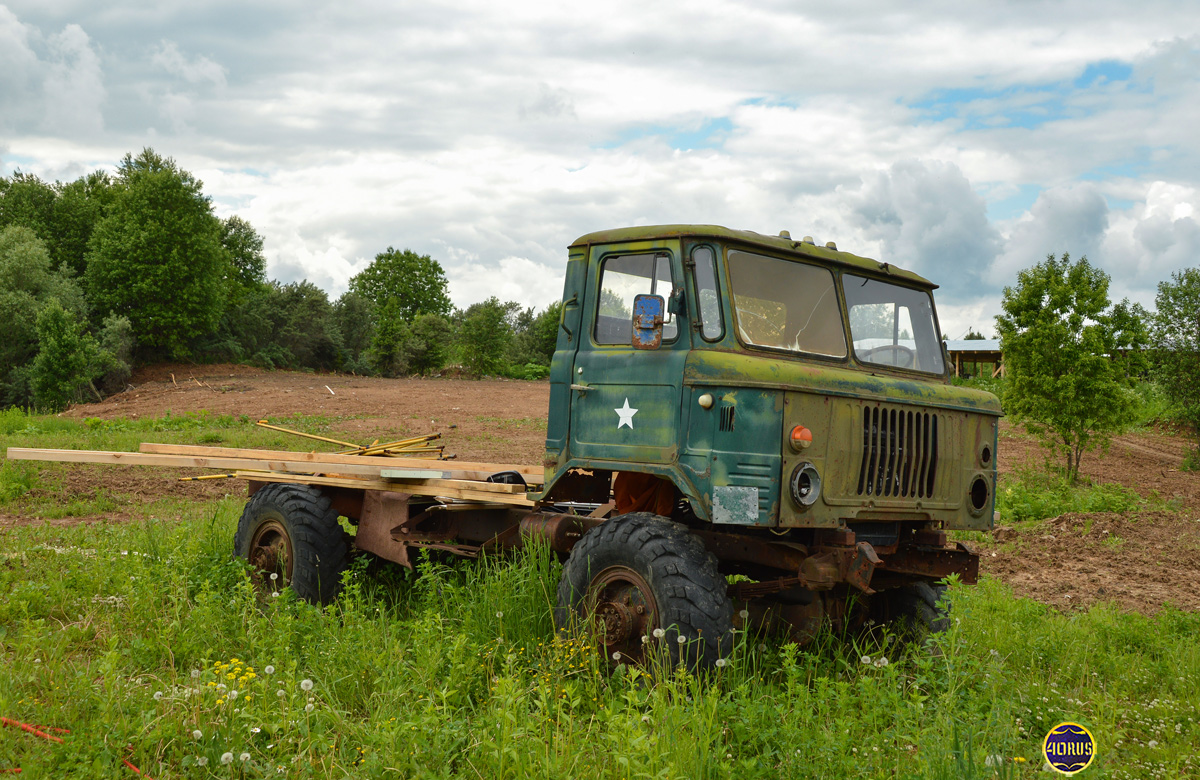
{"x": 156, "y": 256}
{"x": 973, "y": 335}
{"x": 415, "y": 283}
{"x": 248, "y": 265}
{"x": 355, "y": 318}
{"x": 485, "y": 336}
{"x": 27, "y": 283}
{"x": 68, "y": 361}
{"x": 1175, "y": 338}
{"x": 1063, "y": 351}
{"x": 77, "y": 210}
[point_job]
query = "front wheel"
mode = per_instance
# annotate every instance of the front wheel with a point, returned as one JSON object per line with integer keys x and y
{"x": 640, "y": 581}
{"x": 291, "y": 536}
{"x": 915, "y": 609}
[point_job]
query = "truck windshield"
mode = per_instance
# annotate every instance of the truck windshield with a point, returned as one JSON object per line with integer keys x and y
{"x": 892, "y": 325}
{"x": 783, "y": 304}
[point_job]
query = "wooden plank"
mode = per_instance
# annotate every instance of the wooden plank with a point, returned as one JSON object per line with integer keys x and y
{"x": 511, "y": 499}
{"x": 367, "y": 469}
{"x": 452, "y": 469}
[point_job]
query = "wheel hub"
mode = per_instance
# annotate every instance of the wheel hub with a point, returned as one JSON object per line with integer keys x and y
{"x": 623, "y": 609}
{"x": 271, "y": 552}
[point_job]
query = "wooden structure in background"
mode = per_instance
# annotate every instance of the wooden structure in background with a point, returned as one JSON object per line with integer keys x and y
{"x": 964, "y": 352}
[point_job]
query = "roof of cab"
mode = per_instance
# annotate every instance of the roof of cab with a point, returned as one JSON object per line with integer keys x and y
{"x": 777, "y": 243}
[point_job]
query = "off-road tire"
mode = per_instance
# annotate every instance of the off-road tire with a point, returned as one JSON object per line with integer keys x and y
{"x": 682, "y": 575}
{"x": 320, "y": 548}
{"x": 914, "y": 609}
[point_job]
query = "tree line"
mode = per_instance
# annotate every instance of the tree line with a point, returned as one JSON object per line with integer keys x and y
{"x": 107, "y": 272}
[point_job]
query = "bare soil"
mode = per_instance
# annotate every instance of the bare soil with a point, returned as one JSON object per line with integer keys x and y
{"x": 1140, "y": 561}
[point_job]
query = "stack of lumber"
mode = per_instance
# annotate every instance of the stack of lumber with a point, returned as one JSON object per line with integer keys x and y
{"x": 463, "y": 481}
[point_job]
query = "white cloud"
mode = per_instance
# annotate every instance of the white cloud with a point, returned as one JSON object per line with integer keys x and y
{"x": 74, "y": 85}
{"x": 196, "y": 70}
{"x": 1064, "y": 219}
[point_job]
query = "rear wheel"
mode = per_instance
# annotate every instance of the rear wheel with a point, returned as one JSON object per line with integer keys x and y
{"x": 290, "y": 531}
{"x": 640, "y": 581}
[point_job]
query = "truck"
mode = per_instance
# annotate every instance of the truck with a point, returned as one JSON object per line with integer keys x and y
{"x": 744, "y": 431}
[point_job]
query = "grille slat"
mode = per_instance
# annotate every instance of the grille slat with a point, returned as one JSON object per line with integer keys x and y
{"x": 899, "y": 454}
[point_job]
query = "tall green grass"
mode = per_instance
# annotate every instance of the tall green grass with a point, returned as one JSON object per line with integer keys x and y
{"x": 125, "y": 633}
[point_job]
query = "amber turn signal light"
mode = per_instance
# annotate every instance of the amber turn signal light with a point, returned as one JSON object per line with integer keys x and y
{"x": 801, "y": 438}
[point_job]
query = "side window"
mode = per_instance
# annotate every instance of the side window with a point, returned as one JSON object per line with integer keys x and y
{"x": 623, "y": 277}
{"x": 708, "y": 300}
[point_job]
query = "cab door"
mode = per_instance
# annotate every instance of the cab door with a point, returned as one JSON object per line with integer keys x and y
{"x": 625, "y": 402}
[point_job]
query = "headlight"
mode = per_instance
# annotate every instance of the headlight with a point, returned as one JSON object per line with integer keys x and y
{"x": 805, "y": 485}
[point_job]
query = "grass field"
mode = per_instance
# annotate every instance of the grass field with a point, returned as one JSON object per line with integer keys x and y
{"x": 135, "y": 636}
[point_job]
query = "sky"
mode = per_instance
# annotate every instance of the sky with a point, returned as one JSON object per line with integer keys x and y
{"x": 962, "y": 140}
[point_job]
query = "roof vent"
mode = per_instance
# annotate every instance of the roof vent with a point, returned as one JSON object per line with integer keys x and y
{"x": 784, "y": 234}
{"x": 830, "y": 245}
{"x": 808, "y": 240}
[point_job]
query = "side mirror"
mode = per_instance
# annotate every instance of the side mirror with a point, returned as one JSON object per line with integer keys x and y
{"x": 648, "y": 321}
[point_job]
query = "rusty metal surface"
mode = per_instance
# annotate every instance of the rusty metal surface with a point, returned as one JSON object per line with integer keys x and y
{"x": 559, "y": 531}
{"x": 934, "y": 563}
{"x": 648, "y": 321}
{"x": 784, "y": 556}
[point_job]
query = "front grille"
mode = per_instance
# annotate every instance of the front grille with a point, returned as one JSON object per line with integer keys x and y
{"x": 899, "y": 454}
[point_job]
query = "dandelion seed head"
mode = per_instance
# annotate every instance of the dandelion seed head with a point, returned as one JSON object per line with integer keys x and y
{"x": 306, "y": 684}
{"x": 616, "y": 655}
{"x": 227, "y": 758}
{"x": 499, "y": 614}
{"x": 659, "y": 633}
{"x": 274, "y": 576}
{"x": 645, "y": 639}
{"x": 195, "y": 673}
{"x": 308, "y": 708}
{"x": 866, "y": 659}
{"x": 233, "y": 695}
{"x": 197, "y": 734}
{"x": 280, "y": 693}
{"x": 745, "y": 613}
{"x": 721, "y": 663}
{"x": 881, "y": 662}
{"x": 244, "y": 757}
{"x": 202, "y": 761}
{"x": 158, "y": 695}
{"x": 681, "y": 639}
{"x": 269, "y": 670}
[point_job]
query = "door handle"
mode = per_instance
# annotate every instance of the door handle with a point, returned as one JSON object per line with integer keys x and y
{"x": 581, "y": 388}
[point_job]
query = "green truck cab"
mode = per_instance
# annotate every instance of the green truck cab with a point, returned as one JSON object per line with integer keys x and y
{"x": 793, "y": 397}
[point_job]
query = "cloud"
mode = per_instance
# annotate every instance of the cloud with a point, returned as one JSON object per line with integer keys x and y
{"x": 929, "y": 220}
{"x": 1071, "y": 219}
{"x": 197, "y": 70}
{"x": 74, "y": 84}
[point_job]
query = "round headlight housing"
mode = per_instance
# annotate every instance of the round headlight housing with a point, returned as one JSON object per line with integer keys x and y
{"x": 805, "y": 485}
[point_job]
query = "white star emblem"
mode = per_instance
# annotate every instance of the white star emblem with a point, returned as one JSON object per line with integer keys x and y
{"x": 626, "y": 414}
